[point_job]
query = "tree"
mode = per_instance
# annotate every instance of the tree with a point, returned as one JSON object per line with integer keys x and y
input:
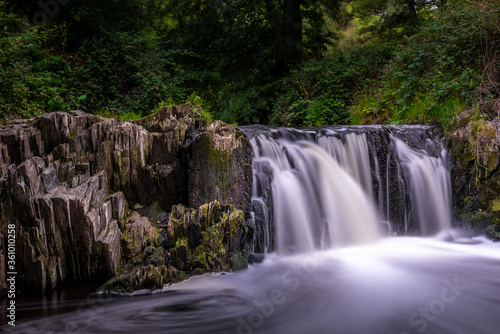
{"x": 237, "y": 49}
{"x": 287, "y": 32}
{"x": 288, "y": 22}
{"x": 91, "y": 18}
{"x": 289, "y": 29}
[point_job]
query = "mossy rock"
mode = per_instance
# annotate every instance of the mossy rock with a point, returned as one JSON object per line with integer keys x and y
{"x": 138, "y": 234}
{"x": 141, "y": 277}
{"x": 209, "y": 237}
{"x": 493, "y": 232}
{"x": 220, "y": 167}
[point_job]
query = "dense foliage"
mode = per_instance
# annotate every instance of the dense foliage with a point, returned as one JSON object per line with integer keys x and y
{"x": 320, "y": 91}
{"x": 293, "y": 62}
{"x": 451, "y": 64}
{"x": 51, "y": 67}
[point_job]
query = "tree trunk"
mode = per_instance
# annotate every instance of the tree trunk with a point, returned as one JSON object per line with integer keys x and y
{"x": 412, "y": 10}
{"x": 292, "y": 26}
{"x": 287, "y": 34}
{"x": 278, "y": 36}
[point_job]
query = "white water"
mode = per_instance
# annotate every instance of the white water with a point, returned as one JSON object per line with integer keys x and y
{"x": 322, "y": 190}
{"x": 318, "y": 199}
{"x": 404, "y": 285}
{"x": 353, "y": 157}
{"x": 430, "y": 188}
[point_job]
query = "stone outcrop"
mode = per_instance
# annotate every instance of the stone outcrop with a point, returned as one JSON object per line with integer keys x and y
{"x": 219, "y": 167}
{"x": 70, "y": 180}
{"x": 212, "y": 238}
{"x": 475, "y": 148}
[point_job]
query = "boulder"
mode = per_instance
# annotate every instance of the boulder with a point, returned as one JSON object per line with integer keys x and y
{"x": 150, "y": 277}
{"x": 139, "y": 233}
{"x": 220, "y": 167}
{"x": 212, "y": 238}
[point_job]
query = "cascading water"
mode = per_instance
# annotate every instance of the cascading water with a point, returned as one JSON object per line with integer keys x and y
{"x": 353, "y": 157}
{"x": 313, "y": 188}
{"x": 318, "y": 198}
{"x": 429, "y": 182}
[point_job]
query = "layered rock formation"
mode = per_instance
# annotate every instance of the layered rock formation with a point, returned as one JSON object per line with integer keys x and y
{"x": 475, "y": 147}
{"x": 219, "y": 167}
{"x": 69, "y": 181}
{"x": 212, "y": 238}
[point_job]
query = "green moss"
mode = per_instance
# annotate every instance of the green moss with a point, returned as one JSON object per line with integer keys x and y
{"x": 199, "y": 260}
{"x": 236, "y": 220}
{"x": 495, "y": 205}
{"x": 181, "y": 242}
{"x": 72, "y": 133}
{"x": 219, "y": 161}
{"x": 183, "y": 275}
{"x": 213, "y": 234}
{"x": 485, "y": 130}
{"x": 125, "y": 236}
{"x": 493, "y": 232}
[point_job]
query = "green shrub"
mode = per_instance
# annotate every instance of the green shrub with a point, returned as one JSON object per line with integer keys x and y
{"x": 119, "y": 74}
{"x": 439, "y": 69}
{"x": 32, "y": 80}
{"x": 319, "y": 92}
{"x": 127, "y": 72}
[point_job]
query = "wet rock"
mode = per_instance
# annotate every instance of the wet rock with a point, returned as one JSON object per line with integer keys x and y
{"x": 220, "y": 167}
{"x": 493, "y": 232}
{"x": 214, "y": 237}
{"x": 149, "y": 277}
{"x": 475, "y": 149}
{"x": 67, "y": 181}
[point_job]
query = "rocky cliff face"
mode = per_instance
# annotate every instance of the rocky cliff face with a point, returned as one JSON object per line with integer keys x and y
{"x": 212, "y": 238}
{"x": 219, "y": 167}
{"x": 69, "y": 182}
{"x": 475, "y": 148}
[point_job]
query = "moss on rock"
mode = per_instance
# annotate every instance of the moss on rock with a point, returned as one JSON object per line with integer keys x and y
{"x": 209, "y": 237}
{"x": 220, "y": 167}
{"x": 475, "y": 148}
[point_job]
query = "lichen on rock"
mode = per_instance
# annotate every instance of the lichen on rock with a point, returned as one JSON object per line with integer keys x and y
{"x": 475, "y": 148}
{"x": 220, "y": 167}
{"x": 214, "y": 237}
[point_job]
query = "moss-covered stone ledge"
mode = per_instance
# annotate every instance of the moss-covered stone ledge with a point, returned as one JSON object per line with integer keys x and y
{"x": 475, "y": 148}
{"x": 212, "y": 238}
{"x": 220, "y": 167}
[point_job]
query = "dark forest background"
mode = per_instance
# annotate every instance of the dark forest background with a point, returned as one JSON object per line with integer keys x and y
{"x": 289, "y": 62}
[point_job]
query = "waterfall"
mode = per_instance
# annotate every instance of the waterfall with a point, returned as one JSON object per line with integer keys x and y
{"x": 353, "y": 156}
{"x": 326, "y": 187}
{"x": 430, "y": 185}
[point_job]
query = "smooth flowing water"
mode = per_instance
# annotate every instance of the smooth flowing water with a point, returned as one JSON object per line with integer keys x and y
{"x": 335, "y": 186}
{"x": 355, "y": 226}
